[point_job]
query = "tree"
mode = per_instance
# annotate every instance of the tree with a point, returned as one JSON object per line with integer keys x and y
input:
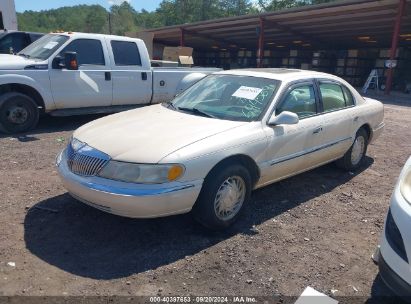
{"x": 124, "y": 18}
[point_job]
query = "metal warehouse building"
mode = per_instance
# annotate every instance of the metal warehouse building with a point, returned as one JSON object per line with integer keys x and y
{"x": 8, "y": 19}
{"x": 346, "y": 38}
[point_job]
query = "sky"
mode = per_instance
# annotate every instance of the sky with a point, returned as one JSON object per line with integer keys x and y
{"x": 38, "y": 5}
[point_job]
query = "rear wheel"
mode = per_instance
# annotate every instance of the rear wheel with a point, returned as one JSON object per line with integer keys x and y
{"x": 354, "y": 157}
{"x": 18, "y": 113}
{"x": 223, "y": 196}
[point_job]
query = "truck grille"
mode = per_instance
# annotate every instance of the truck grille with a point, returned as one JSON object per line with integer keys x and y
{"x": 85, "y": 161}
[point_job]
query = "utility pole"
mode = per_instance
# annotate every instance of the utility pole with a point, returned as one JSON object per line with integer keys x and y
{"x": 109, "y": 23}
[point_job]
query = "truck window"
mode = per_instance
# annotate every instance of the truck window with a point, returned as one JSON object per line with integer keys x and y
{"x": 125, "y": 53}
{"x": 20, "y": 41}
{"x": 6, "y": 42}
{"x": 89, "y": 51}
{"x": 34, "y": 36}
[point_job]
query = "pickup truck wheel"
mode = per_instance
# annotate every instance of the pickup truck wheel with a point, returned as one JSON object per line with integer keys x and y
{"x": 354, "y": 157}
{"x": 222, "y": 197}
{"x": 18, "y": 113}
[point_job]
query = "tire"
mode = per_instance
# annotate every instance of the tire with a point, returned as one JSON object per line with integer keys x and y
{"x": 216, "y": 197}
{"x": 18, "y": 113}
{"x": 354, "y": 158}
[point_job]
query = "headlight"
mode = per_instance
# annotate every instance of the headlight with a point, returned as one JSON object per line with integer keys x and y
{"x": 405, "y": 185}
{"x": 76, "y": 144}
{"x": 59, "y": 157}
{"x": 143, "y": 174}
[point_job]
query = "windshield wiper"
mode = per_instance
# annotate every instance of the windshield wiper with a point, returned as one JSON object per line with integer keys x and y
{"x": 195, "y": 111}
{"x": 169, "y": 104}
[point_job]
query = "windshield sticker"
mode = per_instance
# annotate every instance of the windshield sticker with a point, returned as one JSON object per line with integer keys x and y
{"x": 50, "y": 45}
{"x": 247, "y": 92}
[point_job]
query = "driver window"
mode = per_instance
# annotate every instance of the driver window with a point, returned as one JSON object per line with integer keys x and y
{"x": 300, "y": 100}
{"x": 89, "y": 51}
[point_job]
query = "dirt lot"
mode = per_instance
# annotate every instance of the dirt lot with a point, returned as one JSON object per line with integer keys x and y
{"x": 317, "y": 229}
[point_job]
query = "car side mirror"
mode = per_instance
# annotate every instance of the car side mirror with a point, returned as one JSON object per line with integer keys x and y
{"x": 57, "y": 62}
{"x": 70, "y": 61}
{"x": 284, "y": 118}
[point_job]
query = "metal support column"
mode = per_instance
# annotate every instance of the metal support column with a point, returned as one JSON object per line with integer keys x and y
{"x": 394, "y": 44}
{"x": 182, "y": 36}
{"x": 260, "y": 54}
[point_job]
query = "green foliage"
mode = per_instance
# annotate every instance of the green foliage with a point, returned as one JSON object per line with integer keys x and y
{"x": 275, "y": 5}
{"x": 84, "y": 18}
{"x": 124, "y": 18}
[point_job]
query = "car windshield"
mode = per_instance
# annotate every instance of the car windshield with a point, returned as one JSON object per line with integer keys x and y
{"x": 44, "y": 47}
{"x": 228, "y": 97}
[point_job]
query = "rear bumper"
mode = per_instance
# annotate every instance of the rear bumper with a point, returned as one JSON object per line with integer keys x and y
{"x": 128, "y": 199}
{"x": 376, "y": 132}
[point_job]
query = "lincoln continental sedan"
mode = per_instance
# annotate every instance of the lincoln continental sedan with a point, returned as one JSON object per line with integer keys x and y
{"x": 228, "y": 134}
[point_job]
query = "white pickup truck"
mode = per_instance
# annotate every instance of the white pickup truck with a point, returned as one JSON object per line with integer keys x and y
{"x": 66, "y": 74}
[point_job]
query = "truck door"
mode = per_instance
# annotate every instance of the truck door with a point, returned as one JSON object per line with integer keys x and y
{"x": 91, "y": 84}
{"x": 131, "y": 73}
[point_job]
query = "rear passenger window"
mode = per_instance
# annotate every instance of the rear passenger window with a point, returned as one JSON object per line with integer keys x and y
{"x": 125, "y": 53}
{"x": 89, "y": 51}
{"x": 332, "y": 96}
{"x": 349, "y": 99}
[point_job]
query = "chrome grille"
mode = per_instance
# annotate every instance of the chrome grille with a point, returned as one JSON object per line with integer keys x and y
{"x": 86, "y": 161}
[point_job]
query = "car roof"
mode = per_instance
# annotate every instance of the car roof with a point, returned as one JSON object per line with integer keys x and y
{"x": 281, "y": 74}
{"x": 89, "y": 35}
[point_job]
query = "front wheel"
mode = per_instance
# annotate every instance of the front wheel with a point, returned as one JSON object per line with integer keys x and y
{"x": 354, "y": 157}
{"x": 222, "y": 197}
{"x": 18, "y": 113}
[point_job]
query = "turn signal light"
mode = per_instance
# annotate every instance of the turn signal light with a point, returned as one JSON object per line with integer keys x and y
{"x": 175, "y": 172}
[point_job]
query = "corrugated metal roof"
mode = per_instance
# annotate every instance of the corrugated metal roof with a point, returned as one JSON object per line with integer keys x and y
{"x": 329, "y": 25}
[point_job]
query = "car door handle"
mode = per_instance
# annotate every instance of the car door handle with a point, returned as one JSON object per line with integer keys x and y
{"x": 143, "y": 76}
{"x": 107, "y": 76}
{"x": 318, "y": 130}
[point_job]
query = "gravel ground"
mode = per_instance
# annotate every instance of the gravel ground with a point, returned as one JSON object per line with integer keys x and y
{"x": 317, "y": 229}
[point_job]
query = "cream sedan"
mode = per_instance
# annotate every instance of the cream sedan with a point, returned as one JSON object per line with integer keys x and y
{"x": 230, "y": 133}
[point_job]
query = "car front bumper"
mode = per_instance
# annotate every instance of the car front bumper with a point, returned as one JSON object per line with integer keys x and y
{"x": 395, "y": 246}
{"x": 393, "y": 281}
{"x": 128, "y": 199}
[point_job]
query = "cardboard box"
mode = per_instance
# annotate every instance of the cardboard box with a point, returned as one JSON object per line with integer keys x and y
{"x": 173, "y": 53}
{"x": 339, "y": 71}
{"x": 320, "y": 62}
{"x": 294, "y": 61}
{"x": 385, "y": 53}
{"x": 319, "y": 54}
{"x": 241, "y": 53}
{"x": 306, "y": 66}
{"x": 300, "y": 53}
{"x": 340, "y": 62}
{"x": 267, "y": 53}
{"x": 186, "y": 60}
{"x": 354, "y": 53}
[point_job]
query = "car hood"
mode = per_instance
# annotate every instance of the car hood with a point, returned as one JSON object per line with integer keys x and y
{"x": 148, "y": 134}
{"x": 14, "y": 62}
